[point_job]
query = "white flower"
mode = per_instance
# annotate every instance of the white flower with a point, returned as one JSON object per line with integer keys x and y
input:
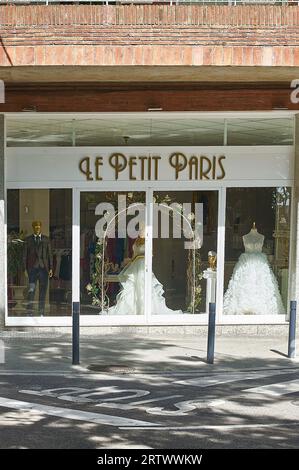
{"x": 89, "y": 287}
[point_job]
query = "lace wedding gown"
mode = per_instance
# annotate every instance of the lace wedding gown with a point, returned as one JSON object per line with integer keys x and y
{"x": 253, "y": 288}
{"x": 130, "y": 300}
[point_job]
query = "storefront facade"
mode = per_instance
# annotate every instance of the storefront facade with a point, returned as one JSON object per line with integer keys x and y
{"x": 186, "y": 112}
{"x": 236, "y": 168}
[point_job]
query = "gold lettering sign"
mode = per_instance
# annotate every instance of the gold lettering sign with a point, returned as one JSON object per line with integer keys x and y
{"x": 142, "y": 168}
{"x": 84, "y": 167}
{"x": 178, "y": 161}
{"x": 200, "y": 168}
{"x": 118, "y": 162}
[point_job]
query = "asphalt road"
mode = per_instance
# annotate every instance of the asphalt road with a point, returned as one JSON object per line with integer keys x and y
{"x": 163, "y": 410}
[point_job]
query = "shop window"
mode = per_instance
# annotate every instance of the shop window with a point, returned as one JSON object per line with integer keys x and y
{"x": 144, "y": 131}
{"x": 273, "y": 131}
{"x": 113, "y": 259}
{"x": 257, "y": 251}
{"x": 39, "y": 252}
{"x": 112, "y": 253}
{"x": 185, "y": 238}
{"x": 118, "y": 131}
{"x": 39, "y": 132}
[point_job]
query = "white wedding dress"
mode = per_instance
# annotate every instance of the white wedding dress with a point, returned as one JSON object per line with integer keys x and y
{"x": 253, "y": 288}
{"x": 130, "y": 300}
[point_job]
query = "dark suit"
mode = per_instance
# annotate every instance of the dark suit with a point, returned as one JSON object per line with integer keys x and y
{"x": 38, "y": 261}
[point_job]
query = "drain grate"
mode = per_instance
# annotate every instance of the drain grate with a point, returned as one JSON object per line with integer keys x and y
{"x": 119, "y": 368}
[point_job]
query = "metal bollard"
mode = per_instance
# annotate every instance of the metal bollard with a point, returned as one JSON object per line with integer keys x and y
{"x": 211, "y": 333}
{"x": 292, "y": 330}
{"x": 76, "y": 333}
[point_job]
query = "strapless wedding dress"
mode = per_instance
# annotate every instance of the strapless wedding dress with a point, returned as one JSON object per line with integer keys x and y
{"x": 253, "y": 288}
{"x": 130, "y": 300}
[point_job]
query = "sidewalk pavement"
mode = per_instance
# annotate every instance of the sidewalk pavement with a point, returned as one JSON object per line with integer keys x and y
{"x": 116, "y": 353}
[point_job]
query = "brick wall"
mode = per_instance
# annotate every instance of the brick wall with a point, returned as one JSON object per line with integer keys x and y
{"x": 149, "y": 35}
{"x": 138, "y": 98}
{"x": 153, "y": 15}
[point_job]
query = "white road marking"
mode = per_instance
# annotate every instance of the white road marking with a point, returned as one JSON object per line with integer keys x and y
{"x": 67, "y": 413}
{"x": 83, "y": 394}
{"x": 278, "y": 389}
{"x": 67, "y": 393}
{"x": 141, "y": 405}
{"x": 186, "y": 406}
{"x": 182, "y": 407}
{"x": 216, "y": 403}
{"x": 143, "y": 402}
{"x": 208, "y": 381}
{"x": 221, "y": 427}
{"x": 54, "y": 392}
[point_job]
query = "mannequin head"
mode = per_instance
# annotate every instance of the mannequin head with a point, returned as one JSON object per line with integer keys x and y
{"x": 37, "y": 227}
{"x": 212, "y": 258}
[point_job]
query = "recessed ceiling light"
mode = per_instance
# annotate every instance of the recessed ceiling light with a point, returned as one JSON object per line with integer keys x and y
{"x": 30, "y": 109}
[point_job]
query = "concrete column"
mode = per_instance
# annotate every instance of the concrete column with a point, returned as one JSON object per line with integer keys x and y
{"x": 2, "y": 223}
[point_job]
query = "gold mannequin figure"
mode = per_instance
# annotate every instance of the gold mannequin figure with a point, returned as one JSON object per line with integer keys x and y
{"x": 212, "y": 259}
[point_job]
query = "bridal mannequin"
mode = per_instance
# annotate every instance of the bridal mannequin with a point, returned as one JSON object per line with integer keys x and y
{"x": 253, "y": 241}
{"x": 253, "y": 288}
{"x": 130, "y": 300}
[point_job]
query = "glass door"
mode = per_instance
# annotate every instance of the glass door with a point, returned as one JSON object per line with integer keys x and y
{"x": 112, "y": 253}
{"x": 154, "y": 259}
{"x": 185, "y": 226}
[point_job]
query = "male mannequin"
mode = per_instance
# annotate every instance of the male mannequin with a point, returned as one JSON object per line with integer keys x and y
{"x": 38, "y": 262}
{"x": 253, "y": 241}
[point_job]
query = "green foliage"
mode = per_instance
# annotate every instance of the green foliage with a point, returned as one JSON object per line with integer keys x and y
{"x": 195, "y": 275}
{"x": 97, "y": 288}
{"x": 15, "y": 247}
